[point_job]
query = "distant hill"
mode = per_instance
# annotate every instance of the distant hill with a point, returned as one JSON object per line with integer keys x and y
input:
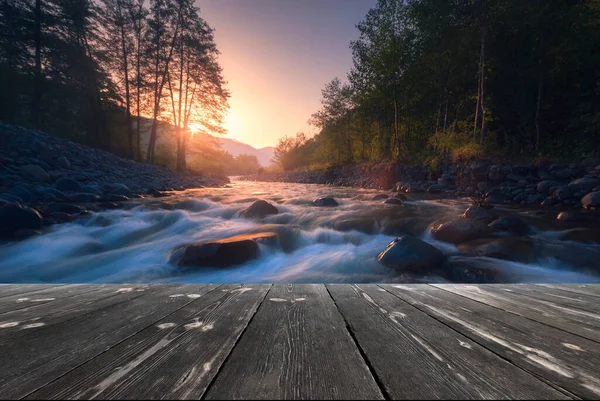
{"x": 236, "y": 147}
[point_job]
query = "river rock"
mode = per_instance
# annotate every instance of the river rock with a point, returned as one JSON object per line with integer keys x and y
{"x": 584, "y": 235}
{"x": 480, "y": 213}
{"x": 583, "y": 184}
{"x": 63, "y": 208}
{"x": 379, "y": 197}
{"x": 66, "y": 184}
{"x": 34, "y": 172}
{"x": 63, "y": 162}
{"x": 365, "y": 225}
{"x": 591, "y": 200}
{"x": 544, "y": 187}
{"x": 259, "y": 209}
{"x": 222, "y": 252}
{"x": 393, "y": 201}
{"x": 408, "y": 252}
{"x": 458, "y": 231}
{"x": 511, "y": 224}
{"x": 325, "y": 202}
{"x": 507, "y": 248}
{"x": 569, "y": 216}
{"x": 14, "y": 216}
{"x": 477, "y": 271}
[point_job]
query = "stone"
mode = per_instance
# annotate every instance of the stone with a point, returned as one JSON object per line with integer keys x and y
{"x": 14, "y": 216}
{"x": 480, "y": 213}
{"x": 584, "y": 235}
{"x": 409, "y": 252}
{"x": 66, "y": 184}
{"x": 63, "y": 208}
{"x": 115, "y": 198}
{"x": 63, "y": 162}
{"x": 393, "y": 202}
{"x": 507, "y": 248}
{"x": 511, "y": 224}
{"x": 545, "y": 186}
{"x": 569, "y": 216}
{"x": 591, "y": 200}
{"x": 379, "y": 197}
{"x": 259, "y": 209}
{"x": 33, "y": 172}
{"x": 583, "y": 184}
{"x": 435, "y": 188}
{"x": 325, "y": 202}
{"x": 365, "y": 225}
{"x": 83, "y": 197}
{"x": 11, "y": 197}
{"x": 458, "y": 231}
{"x": 222, "y": 252}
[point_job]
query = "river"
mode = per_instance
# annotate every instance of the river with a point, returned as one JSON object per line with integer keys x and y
{"x": 332, "y": 245}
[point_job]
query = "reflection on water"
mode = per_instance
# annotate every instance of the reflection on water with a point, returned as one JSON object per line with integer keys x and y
{"x": 316, "y": 244}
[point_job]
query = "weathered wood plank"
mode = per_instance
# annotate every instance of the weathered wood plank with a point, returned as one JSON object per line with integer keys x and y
{"x": 585, "y": 302}
{"x": 49, "y": 294}
{"x": 296, "y": 347}
{"x": 585, "y": 289}
{"x": 62, "y": 310}
{"x": 417, "y": 357}
{"x": 175, "y": 358}
{"x": 560, "y": 358}
{"x": 572, "y": 320}
{"x": 37, "y": 358}
{"x": 7, "y": 290}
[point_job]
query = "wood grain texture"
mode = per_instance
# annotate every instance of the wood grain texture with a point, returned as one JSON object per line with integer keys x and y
{"x": 6, "y": 290}
{"x": 416, "y": 356}
{"x": 585, "y": 302}
{"x": 39, "y": 297}
{"x": 567, "y": 361}
{"x": 586, "y": 289}
{"x": 572, "y": 320}
{"x": 296, "y": 347}
{"x": 174, "y": 358}
{"x": 37, "y": 358}
{"x": 64, "y": 309}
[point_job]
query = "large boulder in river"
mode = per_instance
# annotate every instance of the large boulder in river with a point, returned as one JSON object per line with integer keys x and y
{"x": 325, "y": 202}
{"x": 591, "y": 200}
{"x": 222, "y": 252}
{"x": 408, "y": 252}
{"x": 458, "y": 231}
{"x": 480, "y": 213}
{"x": 32, "y": 172}
{"x": 507, "y": 248}
{"x": 14, "y": 217}
{"x": 511, "y": 224}
{"x": 259, "y": 209}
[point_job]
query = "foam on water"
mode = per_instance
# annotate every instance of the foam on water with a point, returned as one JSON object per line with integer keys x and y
{"x": 134, "y": 245}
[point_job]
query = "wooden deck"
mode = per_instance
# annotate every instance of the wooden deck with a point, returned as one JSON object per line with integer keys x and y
{"x": 300, "y": 341}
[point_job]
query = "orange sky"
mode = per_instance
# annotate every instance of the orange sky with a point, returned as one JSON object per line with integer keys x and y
{"x": 277, "y": 55}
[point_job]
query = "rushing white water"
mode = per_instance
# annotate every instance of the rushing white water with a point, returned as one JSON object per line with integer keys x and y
{"x": 322, "y": 244}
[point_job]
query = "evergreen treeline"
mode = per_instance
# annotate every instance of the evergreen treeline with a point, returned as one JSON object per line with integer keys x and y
{"x": 462, "y": 78}
{"x": 100, "y": 72}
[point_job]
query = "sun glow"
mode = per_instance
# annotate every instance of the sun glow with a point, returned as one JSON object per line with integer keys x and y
{"x": 233, "y": 124}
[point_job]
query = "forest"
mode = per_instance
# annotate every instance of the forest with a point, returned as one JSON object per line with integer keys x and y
{"x": 107, "y": 73}
{"x": 439, "y": 80}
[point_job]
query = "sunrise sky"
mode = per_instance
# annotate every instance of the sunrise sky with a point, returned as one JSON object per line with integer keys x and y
{"x": 277, "y": 55}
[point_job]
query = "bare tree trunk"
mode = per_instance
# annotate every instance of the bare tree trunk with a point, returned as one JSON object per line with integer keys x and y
{"x": 396, "y": 128}
{"x": 539, "y": 94}
{"x": 158, "y": 94}
{"x": 482, "y": 72}
{"x": 37, "y": 89}
{"x": 125, "y": 56}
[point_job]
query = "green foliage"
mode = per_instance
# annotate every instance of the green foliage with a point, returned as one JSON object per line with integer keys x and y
{"x": 413, "y": 88}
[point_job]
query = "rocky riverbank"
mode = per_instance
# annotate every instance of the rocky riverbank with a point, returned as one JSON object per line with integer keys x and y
{"x": 541, "y": 183}
{"x": 46, "y": 179}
